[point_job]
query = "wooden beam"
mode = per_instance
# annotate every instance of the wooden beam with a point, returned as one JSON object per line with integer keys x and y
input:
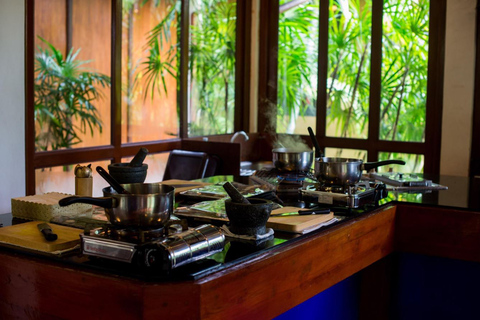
{"x": 182, "y": 93}
{"x": 29, "y": 97}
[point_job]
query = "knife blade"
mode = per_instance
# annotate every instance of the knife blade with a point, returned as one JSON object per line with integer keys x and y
{"x": 47, "y": 232}
{"x": 302, "y": 212}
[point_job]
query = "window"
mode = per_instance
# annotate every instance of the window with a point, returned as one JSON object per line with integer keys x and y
{"x": 105, "y": 78}
{"x": 365, "y": 75}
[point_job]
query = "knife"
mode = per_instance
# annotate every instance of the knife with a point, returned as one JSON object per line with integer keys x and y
{"x": 47, "y": 232}
{"x": 302, "y": 212}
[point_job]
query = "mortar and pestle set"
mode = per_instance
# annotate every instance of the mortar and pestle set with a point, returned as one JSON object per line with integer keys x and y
{"x": 134, "y": 171}
{"x": 247, "y": 216}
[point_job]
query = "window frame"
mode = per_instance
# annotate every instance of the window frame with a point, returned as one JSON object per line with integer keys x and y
{"x": 269, "y": 16}
{"x": 115, "y": 151}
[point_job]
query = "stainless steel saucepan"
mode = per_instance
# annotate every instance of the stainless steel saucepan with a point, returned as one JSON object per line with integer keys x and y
{"x": 344, "y": 171}
{"x": 292, "y": 160}
{"x": 145, "y": 205}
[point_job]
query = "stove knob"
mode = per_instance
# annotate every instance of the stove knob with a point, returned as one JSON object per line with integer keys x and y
{"x": 152, "y": 257}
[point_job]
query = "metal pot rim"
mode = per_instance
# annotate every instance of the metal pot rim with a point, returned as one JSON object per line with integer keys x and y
{"x": 291, "y": 150}
{"x": 338, "y": 160}
{"x": 107, "y": 190}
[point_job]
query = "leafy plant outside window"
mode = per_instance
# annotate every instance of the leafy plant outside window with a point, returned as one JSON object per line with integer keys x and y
{"x": 211, "y": 62}
{"x": 64, "y": 92}
{"x": 212, "y": 67}
{"x": 297, "y": 65}
{"x": 404, "y": 69}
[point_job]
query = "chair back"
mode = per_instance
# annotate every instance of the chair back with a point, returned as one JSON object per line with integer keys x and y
{"x": 186, "y": 165}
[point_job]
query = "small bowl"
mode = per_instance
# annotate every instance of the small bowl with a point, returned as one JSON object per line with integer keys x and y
{"x": 248, "y": 219}
{"x": 124, "y": 173}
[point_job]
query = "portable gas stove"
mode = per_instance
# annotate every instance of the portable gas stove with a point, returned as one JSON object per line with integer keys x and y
{"x": 157, "y": 248}
{"x": 287, "y": 185}
{"x": 303, "y": 186}
{"x": 352, "y": 196}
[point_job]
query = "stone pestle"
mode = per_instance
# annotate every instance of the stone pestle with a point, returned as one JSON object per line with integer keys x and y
{"x": 234, "y": 194}
{"x": 137, "y": 161}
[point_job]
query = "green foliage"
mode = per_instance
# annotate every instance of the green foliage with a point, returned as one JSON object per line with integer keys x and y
{"x": 158, "y": 62}
{"x": 212, "y": 67}
{"x": 211, "y": 62}
{"x": 404, "y": 79}
{"x": 297, "y": 66}
{"x": 64, "y": 91}
{"x": 404, "y": 68}
{"x": 349, "y": 67}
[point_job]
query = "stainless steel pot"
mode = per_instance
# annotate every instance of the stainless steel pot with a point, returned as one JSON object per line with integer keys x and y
{"x": 343, "y": 171}
{"x": 292, "y": 160}
{"x": 146, "y": 205}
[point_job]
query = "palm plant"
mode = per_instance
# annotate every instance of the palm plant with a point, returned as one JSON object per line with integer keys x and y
{"x": 212, "y": 67}
{"x": 147, "y": 71}
{"x": 404, "y": 81}
{"x": 64, "y": 92}
{"x": 212, "y": 61}
{"x": 297, "y": 68}
{"x": 349, "y": 64}
{"x": 404, "y": 69}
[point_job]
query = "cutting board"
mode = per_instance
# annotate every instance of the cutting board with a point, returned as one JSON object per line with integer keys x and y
{"x": 296, "y": 223}
{"x": 27, "y": 235}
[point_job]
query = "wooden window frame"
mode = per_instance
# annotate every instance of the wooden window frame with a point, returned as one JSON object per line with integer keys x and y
{"x": 116, "y": 150}
{"x": 269, "y": 16}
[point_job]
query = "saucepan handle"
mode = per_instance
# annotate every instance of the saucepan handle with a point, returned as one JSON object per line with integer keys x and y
{"x": 105, "y": 202}
{"x": 372, "y": 165}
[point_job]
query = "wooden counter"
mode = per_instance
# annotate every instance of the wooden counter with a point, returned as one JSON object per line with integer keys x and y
{"x": 262, "y": 288}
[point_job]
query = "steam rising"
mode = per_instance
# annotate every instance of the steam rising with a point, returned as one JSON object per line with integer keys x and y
{"x": 293, "y": 142}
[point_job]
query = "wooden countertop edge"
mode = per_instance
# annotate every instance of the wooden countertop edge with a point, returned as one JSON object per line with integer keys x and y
{"x": 263, "y": 287}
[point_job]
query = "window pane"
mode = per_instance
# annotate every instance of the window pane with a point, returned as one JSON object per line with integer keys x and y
{"x": 62, "y": 179}
{"x": 346, "y": 153}
{"x": 297, "y": 67}
{"x": 212, "y": 67}
{"x": 72, "y": 85}
{"x": 149, "y": 69}
{"x": 414, "y": 162}
{"x": 404, "y": 70}
{"x": 348, "y": 82}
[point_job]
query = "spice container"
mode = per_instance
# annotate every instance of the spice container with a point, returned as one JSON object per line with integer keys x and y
{"x": 83, "y": 180}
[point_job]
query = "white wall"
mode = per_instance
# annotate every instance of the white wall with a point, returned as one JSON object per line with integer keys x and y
{"x": 12, "y": 102}
{"x": 458, "y": 88}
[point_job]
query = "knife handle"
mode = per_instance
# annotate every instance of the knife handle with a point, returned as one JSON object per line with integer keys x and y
{"x": 49, "y": 235}
{"x": 314, "y": 211}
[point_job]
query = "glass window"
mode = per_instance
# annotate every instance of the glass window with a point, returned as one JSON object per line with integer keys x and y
{"x": 156, "y": 166}
{"x": 346, "y": 153}
{"x": 72, "y": 74}
{"x": 62, "y": 179}
{"x": 149, "y": 70}
{"x": 376, "y": 58}
{"x": 414, "y": 162}
{"x": 297, "y": 67}
{"x": 348, "y": 82}
{"x": 404, "y": 70}
{"x": 212, "y": 67}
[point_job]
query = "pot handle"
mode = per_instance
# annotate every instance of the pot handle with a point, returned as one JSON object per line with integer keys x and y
{"x": 105, "y": 202}
{"x": 372, "y": 165}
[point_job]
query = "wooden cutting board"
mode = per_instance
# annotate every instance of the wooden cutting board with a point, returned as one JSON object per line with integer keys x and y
{"x": 296, "y": 223}
{"x": 27, "y": 235}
